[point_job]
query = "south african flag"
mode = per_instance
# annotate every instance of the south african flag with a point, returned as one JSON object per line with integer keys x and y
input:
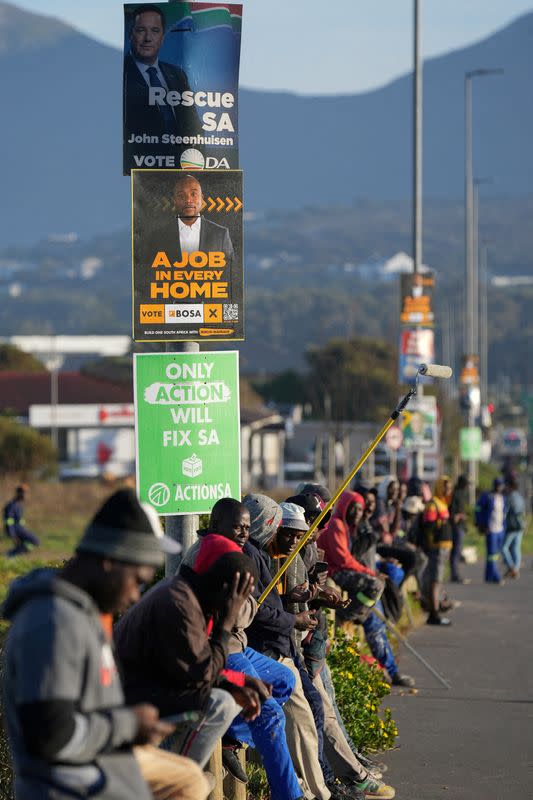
{"x": 208, "y": 16}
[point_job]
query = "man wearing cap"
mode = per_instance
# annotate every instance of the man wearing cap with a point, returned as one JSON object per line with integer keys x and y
{"x": 15, "y": 527}
{"x": 70, "y": 732}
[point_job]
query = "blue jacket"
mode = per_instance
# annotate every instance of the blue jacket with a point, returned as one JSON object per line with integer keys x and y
{"x": 13, "y": 517}
{"x": 270, "y": 632}
{"x": 484, "y": 509}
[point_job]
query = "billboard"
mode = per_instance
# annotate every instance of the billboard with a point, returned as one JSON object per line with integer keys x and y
{"x": 187, "y": 255}
{"x": 180, "y": 87}
{"x": 187, "y": 430}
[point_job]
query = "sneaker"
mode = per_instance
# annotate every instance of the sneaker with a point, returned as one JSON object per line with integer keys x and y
{"x": 436, "y": 619}
{"x": 376, "y": 789}
{"x": 403, "y": 680}
{"x": 233, "y": 765}
{"x": 341, "y": 791}
{"x": 371, "y": 764}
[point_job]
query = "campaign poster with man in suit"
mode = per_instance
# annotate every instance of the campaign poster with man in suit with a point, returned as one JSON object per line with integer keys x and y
{"x": 187, "y": 255}
{"x": 180, "y": 89}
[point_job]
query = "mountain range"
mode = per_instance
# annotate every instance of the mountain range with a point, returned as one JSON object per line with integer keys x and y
{"x": 61, "y": 132}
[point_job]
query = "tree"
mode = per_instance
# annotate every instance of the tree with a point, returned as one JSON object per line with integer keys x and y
{"x": 24, "y": 450}
{"x": 14, "y": 360}
{"x": 353, "y": 379}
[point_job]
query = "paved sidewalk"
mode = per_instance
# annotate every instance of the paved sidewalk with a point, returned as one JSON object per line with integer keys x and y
{"x": 476, "y": 740}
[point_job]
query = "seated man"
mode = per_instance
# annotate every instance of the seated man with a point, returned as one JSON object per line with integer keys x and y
{"x": 71, "y": 734}
{"x": 338, "y": 759}
{"x": 362, "y": 583}
{"x": 231, "y": 519}
{"x": 173, "y": 646}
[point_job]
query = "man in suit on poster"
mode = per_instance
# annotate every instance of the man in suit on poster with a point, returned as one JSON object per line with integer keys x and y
{"x": 143, "y": 70}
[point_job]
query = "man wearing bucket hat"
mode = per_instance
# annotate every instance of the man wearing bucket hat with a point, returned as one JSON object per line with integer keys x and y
{"x": 70, "y": 732}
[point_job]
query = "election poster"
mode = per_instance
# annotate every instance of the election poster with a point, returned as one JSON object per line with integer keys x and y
{"x": 187, "y": 430}
{"x": 187, "y": 255}
{"x": 417, "y": 338}
{"x": 419, "y": 424}
{"x": 417, "y": 346}
{"x": 180, "y": 86}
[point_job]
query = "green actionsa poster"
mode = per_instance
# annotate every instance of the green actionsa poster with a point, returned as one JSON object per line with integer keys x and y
{"x": 470, "y": 444}
{"x": 187, "y": 429}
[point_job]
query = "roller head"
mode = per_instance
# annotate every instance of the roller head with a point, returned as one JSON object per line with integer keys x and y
{"x": 435, "y": 370}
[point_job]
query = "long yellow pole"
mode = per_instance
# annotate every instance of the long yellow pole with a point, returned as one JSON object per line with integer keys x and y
{"x": 303, "y": 541}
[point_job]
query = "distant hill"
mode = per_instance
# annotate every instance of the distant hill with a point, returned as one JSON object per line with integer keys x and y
{"x": 61, "y": 132}
{"x": 311, "y": 275}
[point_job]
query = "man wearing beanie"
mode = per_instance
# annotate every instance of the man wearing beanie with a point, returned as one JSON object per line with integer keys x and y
{"x": 70, "y": 732}
{"x": 231, "y": 519}
{"x": 173, "y": 646}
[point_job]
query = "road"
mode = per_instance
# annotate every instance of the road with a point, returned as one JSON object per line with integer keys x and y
{"x": 474, "y": 741}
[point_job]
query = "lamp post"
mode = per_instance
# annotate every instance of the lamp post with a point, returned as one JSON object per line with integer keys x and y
{"x": 471, "y": 304}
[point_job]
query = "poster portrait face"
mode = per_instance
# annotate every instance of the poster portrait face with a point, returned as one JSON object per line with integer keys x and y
{"x": 146, "y": 35}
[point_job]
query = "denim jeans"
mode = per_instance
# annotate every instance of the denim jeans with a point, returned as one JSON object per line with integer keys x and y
{"x": 493, "y": 543}
{"x": 197, "y": 741}
{"x": 267, "y": 732}
{"x": 512, "y": 549}
{"x": 378, "y": 641}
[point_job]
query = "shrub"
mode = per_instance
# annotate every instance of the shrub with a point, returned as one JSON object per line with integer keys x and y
{"x": 23, "y": 450}
{"x": 360, "y": 688}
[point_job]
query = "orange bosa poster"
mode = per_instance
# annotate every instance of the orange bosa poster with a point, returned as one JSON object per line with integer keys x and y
{"x": 187, "y": 255}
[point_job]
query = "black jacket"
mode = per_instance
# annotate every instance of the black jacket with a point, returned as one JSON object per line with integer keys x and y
{"x": 270, "y": 632}
{"x": 165, "y": 654}
{"x": 140, "y": 117}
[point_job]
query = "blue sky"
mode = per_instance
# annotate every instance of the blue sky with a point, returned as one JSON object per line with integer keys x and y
{"x": 322, "y": 46}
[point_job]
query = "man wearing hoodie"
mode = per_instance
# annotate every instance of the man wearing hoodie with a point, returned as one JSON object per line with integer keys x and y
{"x": 231, "y": 519}
{"x": 362, "y": 583}
{"x": 70, "y": 732}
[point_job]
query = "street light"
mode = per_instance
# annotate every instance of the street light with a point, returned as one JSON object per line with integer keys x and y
{"x": 471, "y": 304}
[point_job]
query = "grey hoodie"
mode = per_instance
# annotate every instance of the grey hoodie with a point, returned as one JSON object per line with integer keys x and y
{"x": 60, "y": 673}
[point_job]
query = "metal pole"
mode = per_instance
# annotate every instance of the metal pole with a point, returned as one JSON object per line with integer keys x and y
{"x": 418, "y": 456}
{"x": 469, "y": 221}
{"x": 54, "y": 395}
{"x": 182, "y": 528}
{"x": 483, "y": 328}
{"x": 410, "y": 647}
{"x": 417, "y": 142}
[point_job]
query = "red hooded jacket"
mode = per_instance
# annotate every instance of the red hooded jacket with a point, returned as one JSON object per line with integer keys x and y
{"x": 335, "y": 539}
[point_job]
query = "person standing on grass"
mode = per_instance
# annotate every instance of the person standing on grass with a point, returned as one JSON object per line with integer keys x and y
{"x": 515, "y": 523}
{"x": 458, "y": 520}
{"x": 490, "y": 520}
{"x": 15, "y": 527}
{"x": 70, "y": 732}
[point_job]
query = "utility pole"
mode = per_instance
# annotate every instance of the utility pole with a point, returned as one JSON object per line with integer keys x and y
{"x": 472, "y": 294}
{"x": 418, "y": 455}
{"x": 183, "y": 527}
